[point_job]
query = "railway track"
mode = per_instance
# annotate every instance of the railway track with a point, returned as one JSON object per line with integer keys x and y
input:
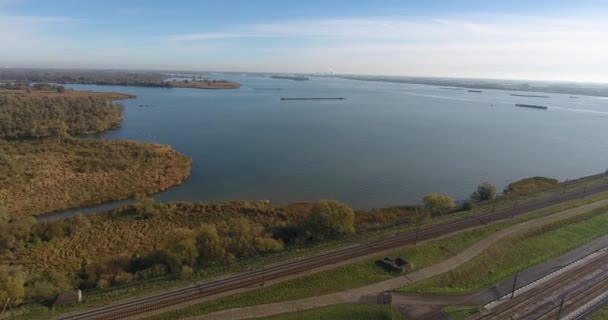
{"x": 521, "y": 303}
{"x": 165, "y": 299}
{"x": 578, "y": 299}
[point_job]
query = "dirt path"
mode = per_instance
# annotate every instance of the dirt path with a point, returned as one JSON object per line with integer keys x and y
{"x": 368, "y": 294}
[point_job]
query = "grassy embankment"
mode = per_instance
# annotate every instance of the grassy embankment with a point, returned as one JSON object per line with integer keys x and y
{"x": 600, "y": 314}
{"x": 366, "y": 272}
{"x": 459, "y": 312}
{"x": 343, "y": 312}
{"x": 531, "y": 184}
{"x": 518, "y": 252}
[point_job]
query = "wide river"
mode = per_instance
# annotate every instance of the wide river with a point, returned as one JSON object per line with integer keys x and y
{"x": 386, "y": 144}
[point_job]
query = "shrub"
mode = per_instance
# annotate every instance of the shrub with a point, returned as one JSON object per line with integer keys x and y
{"x": 485, "y": 191}
{"x": 330, "y": 218}
{"x": 438, "y": 203}
{"x": 468, "y": 205}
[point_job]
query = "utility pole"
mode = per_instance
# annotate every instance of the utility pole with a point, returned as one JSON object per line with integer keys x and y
{"x": 561, "y": 306}
{"x": 418, "y": 220}
{"x": 262, "y": 263}
{"x": 494, "y": 206}
{"x": 514, "y": 284}
{"x": 513, "y": 210}
{"x": 584, "y": 191}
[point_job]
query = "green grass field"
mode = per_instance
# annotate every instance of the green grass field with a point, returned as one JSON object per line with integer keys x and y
{"x": 344, "y": 312}
{"x": 363, "y": 272}
{"x": 600, "y": 314}
{"x": 515, "y": 253}
{"x": 459, "y": 312}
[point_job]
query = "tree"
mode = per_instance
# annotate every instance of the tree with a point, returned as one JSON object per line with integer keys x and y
{"x": 468, "y": 205}
{"x": 485, "y": 191}
{"x": 438, "y": 203}
{"x": 145, "y": 206}
{"x": 60, "y": 130}
{"x": 60, "y": 89}
{"x": 14, "y": 230}
{"x": 181, "y": 250}
{"x": 225, "y": 241}
{"x": 210, "y": 245}
{"x": 330, "y": 218}
{"x": 45, "y": 287}
{"x": 12, "y": 284}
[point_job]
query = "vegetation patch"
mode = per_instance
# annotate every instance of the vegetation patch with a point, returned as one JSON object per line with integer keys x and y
{"x": 363, "y": 272}
{"x": 27, "y": 117}
{"x": 518, "y": 252}
{"x": 530, "y": 184}
{"x": 49, "y": 175}
{"x": 344, "y": 312}
{"x": 600, "y": 314}
{"x": 131, "y": 235}
{"x": 203, "y": 84}
{"x": 459, "y": 312}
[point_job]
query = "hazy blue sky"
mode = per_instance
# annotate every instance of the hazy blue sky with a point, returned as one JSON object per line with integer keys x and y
{"x": 555, "y": 40}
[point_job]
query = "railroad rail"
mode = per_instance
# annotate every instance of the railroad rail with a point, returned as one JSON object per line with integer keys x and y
{"x": 130, "y": 308}
{"x": 520, "y": 303}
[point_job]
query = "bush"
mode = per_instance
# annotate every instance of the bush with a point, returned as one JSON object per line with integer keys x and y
{"x": 438, "y": 203}
{"x": 485, "y": 191}
{"x": 45, "y": 287}
{"x": 330, "y": 218}
{"x": 468, "y": 205}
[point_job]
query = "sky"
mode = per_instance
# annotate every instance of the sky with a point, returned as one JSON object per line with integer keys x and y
{"x": 532, "y": 39}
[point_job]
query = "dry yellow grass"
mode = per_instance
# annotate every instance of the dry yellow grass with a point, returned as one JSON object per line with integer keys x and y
{"x": 43, "y": 176}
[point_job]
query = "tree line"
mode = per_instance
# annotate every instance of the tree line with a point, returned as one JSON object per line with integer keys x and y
{"x": 101, "y": 77}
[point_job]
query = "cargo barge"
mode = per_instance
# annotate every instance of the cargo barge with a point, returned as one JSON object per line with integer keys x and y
{"x": 529, "y": 95}
{"x": 338, "y": 98}
{"x": 533, "y": 106}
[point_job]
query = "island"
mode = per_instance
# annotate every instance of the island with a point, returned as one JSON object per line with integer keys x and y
{"x": 203, "y": 84}
{"x": 109, "y": 77}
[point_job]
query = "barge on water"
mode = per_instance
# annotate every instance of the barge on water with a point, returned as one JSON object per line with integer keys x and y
{"x": 475, "y": 91}
{"x": 338, "y": 98}
{"x": 533, "y": 106}
{"x": 529, "y": 95}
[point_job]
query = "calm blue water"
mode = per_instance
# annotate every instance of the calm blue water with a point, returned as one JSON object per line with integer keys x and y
{"x": 387, "y": 144}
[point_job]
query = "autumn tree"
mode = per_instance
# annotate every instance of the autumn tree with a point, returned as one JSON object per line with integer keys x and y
{"x": 12, "y": 284}
{"x": 225, "y": 241}
{"x": 14, "y": 230}
{"x": 181, "y": 250}
{"x": 330, "y": 218}
{"x": 438, "y": 203}
{"x": 46, "y": 286}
